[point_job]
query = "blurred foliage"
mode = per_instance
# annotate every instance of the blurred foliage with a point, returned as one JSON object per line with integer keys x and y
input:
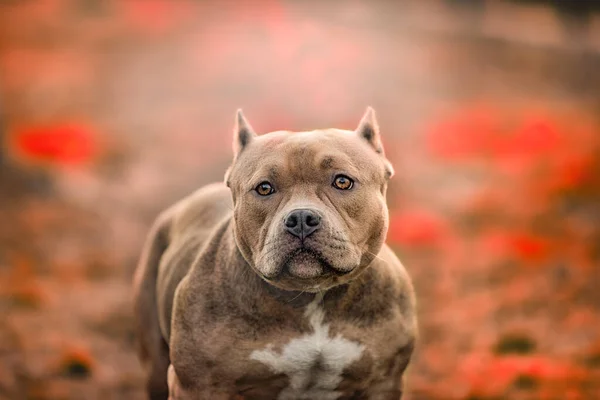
{"x": 113, "y": 110}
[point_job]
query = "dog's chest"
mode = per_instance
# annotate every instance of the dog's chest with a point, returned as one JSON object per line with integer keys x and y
{"x": 313, "y": 362}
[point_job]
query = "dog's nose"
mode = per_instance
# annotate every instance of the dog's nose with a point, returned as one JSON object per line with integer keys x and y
{"x": 302, "y": 222}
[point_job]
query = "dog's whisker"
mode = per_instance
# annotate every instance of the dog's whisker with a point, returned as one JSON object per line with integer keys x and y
{"x": 376, "y": 256}
{"x": 300, "y": 294}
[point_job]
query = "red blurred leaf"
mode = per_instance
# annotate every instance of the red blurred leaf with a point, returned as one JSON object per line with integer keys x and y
{"x": 467, "y": 133}
{"x": 535, "y": 137}
{"x": 477, "y": 370}
{"x": 479, "y": 132}
{"x": 502, "y": 244}
{"x": 505, "y": 370}
{"x": 416, "y": 228}
{"x": 568, "y": 172}
{"x": 61, "y": 144}
{"x": 528, "y": 247}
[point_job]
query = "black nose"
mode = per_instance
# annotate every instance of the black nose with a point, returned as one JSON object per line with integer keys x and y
{"x": 302, "y": 222}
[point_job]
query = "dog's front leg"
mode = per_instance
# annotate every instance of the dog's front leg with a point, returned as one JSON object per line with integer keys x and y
{"x": 390, "y": 388}
{"x": 176, "y": 392}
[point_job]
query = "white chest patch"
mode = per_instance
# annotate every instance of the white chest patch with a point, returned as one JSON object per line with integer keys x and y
{"x": 313, "y": 362}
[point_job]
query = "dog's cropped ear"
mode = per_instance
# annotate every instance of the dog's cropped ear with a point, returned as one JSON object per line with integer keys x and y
{"x": 368, "y": 129}
{"x": 226, "y": 179}
{"x": 243, "y": 133}
{"x": 389, "y": 169}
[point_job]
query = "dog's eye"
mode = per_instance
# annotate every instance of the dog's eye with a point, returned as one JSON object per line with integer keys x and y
{"x": 264, "y": 189}
{"x": 342, "y": 182}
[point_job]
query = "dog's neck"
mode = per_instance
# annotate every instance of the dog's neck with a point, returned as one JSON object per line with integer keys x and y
{"x": 300, "y": 298}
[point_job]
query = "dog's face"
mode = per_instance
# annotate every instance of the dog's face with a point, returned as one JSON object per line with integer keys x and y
{"x": 309, "y": 207}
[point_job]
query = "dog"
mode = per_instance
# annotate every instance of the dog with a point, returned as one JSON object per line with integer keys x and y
{"x": 277, "y": 283}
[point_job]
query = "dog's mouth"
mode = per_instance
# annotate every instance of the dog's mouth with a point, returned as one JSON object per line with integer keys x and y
{"x": 307, "y": 264}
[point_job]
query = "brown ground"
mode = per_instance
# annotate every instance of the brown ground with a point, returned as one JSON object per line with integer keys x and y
{"x": 490, "y": 116}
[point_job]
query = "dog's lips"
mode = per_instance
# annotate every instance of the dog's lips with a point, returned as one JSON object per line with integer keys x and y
{"x": 307, "y": 263}
{"x": 304, "y": 264}
{"x": 305, "y": 269}
{"x": 301, "y": 265}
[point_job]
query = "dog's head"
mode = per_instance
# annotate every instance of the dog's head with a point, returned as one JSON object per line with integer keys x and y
{"x": 309, "y": 207}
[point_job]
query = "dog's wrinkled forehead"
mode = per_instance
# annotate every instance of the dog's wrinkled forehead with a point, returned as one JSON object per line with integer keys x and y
{"x": 308, "y": 156}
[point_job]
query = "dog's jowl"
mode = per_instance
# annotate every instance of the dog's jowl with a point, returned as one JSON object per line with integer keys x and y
{"x": 277, "y": 284}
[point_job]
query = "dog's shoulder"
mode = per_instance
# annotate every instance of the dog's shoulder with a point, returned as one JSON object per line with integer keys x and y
{"x": 391, "y": 269}
{"x": 201, "y": 210}
{"x": 391, "y": 266}
{"x": 382, "y": 291}
{"x": 188, "y": 224}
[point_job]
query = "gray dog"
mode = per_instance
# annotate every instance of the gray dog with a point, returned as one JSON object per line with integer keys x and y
{"x": 278, "y": 284}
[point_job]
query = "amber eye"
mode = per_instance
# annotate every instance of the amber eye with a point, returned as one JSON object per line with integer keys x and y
{"x": 342, "y": 182}
{"x": 264, "y": 189}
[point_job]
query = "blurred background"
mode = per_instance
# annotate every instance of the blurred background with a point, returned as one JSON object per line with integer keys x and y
{"x": 490, "y": 110}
